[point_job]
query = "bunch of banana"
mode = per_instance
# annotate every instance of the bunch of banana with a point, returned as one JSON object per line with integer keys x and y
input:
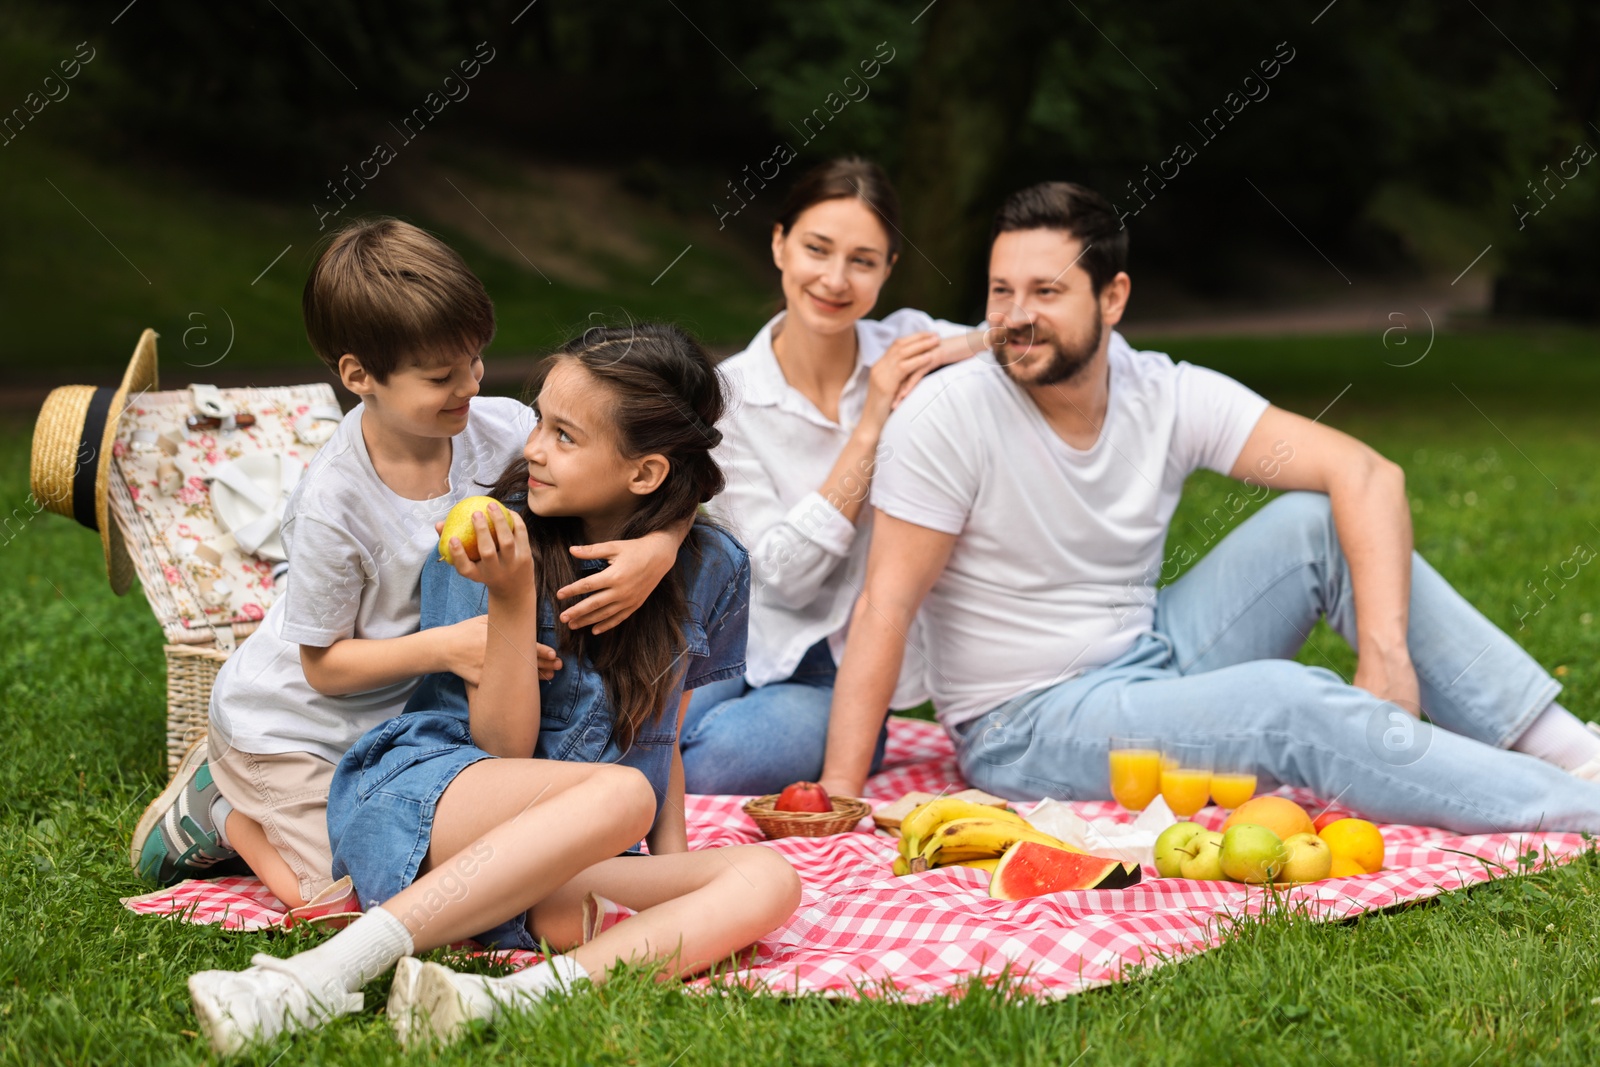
{"x": 979, "y": 838}
{"x": 946, "y": 831}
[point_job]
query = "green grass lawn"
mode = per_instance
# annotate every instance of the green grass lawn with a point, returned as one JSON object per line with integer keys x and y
{"x": 1506, "y": 973}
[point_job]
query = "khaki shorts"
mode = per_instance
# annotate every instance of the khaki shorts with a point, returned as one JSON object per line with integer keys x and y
{"x": 287, "y": 793}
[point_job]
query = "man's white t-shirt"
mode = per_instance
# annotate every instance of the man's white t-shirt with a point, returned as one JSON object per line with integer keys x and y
{"x": 356, "y": 549}
{"x": 1055, "y": 568}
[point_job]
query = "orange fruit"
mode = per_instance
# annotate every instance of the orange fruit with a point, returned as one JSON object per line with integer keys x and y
{"x": 1280, "y": 815}
{"x": 1356, "y": 840}
{"x": 1345, "y": 868}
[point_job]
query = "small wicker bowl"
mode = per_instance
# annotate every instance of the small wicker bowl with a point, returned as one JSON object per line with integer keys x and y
{"x": 847, "y": 811}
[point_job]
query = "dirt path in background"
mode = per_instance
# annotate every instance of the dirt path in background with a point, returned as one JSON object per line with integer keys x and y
{"x": 1372, "y": 309}
{"x": 1368, "y": 308}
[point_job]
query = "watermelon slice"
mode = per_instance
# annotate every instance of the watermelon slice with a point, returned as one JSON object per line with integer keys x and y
{"x": 1029, "y": 869}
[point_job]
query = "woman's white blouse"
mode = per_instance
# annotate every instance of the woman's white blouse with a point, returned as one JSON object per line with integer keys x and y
{"x": 807, "y": 560}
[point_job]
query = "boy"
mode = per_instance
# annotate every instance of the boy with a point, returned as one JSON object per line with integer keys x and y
{"x": 402, "y": 320}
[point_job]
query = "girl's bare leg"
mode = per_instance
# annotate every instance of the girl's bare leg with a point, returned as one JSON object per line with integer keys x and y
{"x": 695, "y": 909}
{"x": 507, "y": 833}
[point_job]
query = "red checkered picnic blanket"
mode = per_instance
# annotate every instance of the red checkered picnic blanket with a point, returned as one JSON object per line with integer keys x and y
{"x": 860, "y": 930}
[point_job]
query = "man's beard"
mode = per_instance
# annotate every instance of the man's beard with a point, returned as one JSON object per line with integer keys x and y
{"x": 1066, "y": 360}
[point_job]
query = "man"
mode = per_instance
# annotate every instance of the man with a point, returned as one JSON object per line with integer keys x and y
{"x": 1024, "y": 509}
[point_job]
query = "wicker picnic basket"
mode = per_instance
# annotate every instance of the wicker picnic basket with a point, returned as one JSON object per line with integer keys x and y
{"x": 207, "y": 592}
{"x": 847, "y": 811}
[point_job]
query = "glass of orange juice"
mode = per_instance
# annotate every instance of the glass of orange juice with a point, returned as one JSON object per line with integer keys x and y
{"x": 1135, "y": 771}
{"x": 1233, "y": 778}
{"x": 1186, "y": 775}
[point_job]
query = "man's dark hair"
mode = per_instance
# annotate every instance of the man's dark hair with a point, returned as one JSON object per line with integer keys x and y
{"x": 1076, "y": 210}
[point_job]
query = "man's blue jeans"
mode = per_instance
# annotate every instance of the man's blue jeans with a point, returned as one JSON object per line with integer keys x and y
{"x": 741, "y": 740}
{"x": 1217, "y": 667}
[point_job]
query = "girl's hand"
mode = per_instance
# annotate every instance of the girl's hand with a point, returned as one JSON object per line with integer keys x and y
{"x": 505, "y": 561}
{"x": 897, "y": 371}
{"x": 615, "y": 593}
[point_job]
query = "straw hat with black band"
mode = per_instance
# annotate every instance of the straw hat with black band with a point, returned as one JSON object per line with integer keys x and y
{"x": 71, "y": 466}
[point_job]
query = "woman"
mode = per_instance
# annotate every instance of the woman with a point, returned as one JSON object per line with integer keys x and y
{"x": 808, "y": 400}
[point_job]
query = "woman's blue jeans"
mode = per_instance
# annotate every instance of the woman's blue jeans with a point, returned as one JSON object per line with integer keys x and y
{"x": 1218, "y": 666}
{"x": 736, "y": 739}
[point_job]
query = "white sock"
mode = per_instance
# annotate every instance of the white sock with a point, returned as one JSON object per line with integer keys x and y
{"x": 488, "y": 995}
{"x": 356, "y": 955}
{"x": 1560, "y": 737}
{"x": 554, "y": 973}
{"x": 220, "y": 810}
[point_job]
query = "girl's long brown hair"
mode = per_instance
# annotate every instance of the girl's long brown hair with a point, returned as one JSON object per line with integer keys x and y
{"x": 665, "y": 398}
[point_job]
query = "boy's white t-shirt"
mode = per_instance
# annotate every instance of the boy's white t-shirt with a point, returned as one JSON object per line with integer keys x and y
{"x": 356, "y": 549}
{"x": 1055, "y": 568}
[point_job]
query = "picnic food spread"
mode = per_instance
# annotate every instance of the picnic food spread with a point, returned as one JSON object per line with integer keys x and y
{"x": 1021, "y": 860}
{"x": 1258, "y": 852}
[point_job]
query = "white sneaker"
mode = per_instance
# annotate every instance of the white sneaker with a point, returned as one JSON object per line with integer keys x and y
{"x": 403, "y": 999}
{"x": 431, "y": 1003}
{"x": 1589, "y": 771}
{"x": 240, "y": 1008}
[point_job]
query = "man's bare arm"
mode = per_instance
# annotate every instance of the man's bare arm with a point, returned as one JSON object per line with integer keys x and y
{"x": 1373, "y": 518}
{"x": 903, "y": 563}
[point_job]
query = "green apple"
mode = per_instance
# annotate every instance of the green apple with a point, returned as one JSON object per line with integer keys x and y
{"x": 1252, "y": 854}
{"x": 1310, "y": 859}
{"x": 1170, "y": 847}
{"x": 1203, "y": 859}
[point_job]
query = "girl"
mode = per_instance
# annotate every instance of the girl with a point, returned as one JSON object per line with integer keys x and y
{"x": 800, "y": 444}
{"x": 494, "y": 810}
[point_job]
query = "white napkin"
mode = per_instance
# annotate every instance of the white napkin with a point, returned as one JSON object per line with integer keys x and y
{"x": 260, "y": 495}
{"x": 257, "y": 532}
{"x": 1135, "y": 843}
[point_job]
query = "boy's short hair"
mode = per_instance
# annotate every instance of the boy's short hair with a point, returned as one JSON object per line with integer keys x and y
{"x": 386, "y": 291}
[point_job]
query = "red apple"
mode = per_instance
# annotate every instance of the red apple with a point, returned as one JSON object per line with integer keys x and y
{"x": 1331, "y": 815}
{"x": 803, "y": 796}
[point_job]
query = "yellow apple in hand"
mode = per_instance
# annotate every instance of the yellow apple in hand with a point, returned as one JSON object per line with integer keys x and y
{"x": 459, "y": 524}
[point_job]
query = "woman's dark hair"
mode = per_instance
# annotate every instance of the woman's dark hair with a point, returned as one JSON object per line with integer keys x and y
{"x": 1076, "y": 210}
{"x": 666, "y": 398}
{"x": 849, "y": 176}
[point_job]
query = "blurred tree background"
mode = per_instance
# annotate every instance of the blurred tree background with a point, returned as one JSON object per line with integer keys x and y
{"x": 1396, "y": 143}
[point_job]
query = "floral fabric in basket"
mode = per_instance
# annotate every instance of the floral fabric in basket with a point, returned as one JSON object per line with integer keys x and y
{"x": 198, "y": 580}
